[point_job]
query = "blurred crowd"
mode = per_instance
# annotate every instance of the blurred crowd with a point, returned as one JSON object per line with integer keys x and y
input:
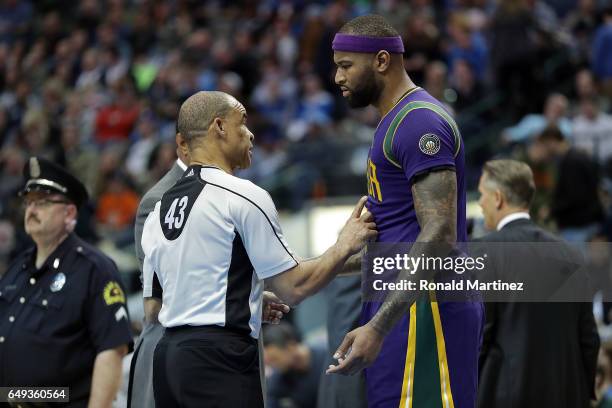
{"x": 96, "y": 86}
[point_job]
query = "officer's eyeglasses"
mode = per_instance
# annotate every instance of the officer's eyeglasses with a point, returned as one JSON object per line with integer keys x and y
{"x": 43, "y": 202}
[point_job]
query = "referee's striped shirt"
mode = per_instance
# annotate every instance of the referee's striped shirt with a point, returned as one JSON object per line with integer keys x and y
{"x": 210, "y": 242}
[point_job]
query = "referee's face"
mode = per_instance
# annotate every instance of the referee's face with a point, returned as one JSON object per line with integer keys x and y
{"x": 239, "y": 138}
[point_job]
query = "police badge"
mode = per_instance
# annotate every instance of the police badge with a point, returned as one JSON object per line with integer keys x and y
{"x": 58, "y": 282}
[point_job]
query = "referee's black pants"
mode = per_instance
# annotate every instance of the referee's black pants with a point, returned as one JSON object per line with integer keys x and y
{"x": 206, "y": 366}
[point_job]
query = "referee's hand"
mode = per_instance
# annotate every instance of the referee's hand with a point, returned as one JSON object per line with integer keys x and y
{"x": 273, "y": 308}
{"x": 359, "y": 228}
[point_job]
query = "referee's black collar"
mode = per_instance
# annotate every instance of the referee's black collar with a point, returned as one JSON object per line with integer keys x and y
{"x": 198, "y": 167}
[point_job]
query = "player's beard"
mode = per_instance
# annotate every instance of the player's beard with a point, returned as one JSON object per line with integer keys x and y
{"x": 366, "y": 93}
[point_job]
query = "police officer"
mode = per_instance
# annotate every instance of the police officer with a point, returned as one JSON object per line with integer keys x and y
{"x": 63, "y": 319}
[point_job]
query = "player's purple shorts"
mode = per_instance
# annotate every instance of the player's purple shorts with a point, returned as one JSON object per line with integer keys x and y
{"x": 430, "y": 359}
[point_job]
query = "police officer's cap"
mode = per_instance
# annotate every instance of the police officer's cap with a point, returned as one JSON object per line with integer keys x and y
{"x": 46, "y": 176}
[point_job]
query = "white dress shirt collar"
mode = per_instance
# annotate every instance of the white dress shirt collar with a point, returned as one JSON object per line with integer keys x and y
{"x": 521, "y": 215}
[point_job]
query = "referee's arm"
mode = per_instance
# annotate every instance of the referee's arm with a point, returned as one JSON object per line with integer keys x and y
{"x": 308, "y": 277}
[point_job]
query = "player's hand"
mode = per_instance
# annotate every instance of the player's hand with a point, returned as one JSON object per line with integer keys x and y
{"x": 273, "y": 308}
{"x": 359, "y": 228}
{"x": 358, "y": 350}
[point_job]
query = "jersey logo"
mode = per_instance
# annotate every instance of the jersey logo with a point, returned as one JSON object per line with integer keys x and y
{"x": 429, "y": 144}
{"x": 190, "y": 173}
{"x": 374, "y": 189}
{"x": 113, "y": 293}
{"x": 58, "y": 282}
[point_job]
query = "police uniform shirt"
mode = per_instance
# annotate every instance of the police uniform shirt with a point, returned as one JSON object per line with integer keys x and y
{"x": 211, "y": 241}
{"x": 56, "y": 319}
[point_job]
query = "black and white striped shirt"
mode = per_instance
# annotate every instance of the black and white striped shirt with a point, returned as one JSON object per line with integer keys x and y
{"x": 211, "y": 241}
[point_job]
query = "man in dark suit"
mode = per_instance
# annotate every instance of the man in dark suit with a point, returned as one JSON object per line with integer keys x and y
{"x": 533, "y": 354}
{"x": 140, "y": 390}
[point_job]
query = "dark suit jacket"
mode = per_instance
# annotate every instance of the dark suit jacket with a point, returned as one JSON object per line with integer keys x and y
{"x": 147, "y": 204}
{"x": 536, "y": 355}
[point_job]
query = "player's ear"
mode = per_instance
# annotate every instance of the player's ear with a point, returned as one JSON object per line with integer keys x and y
{"x": 382, "y": 61}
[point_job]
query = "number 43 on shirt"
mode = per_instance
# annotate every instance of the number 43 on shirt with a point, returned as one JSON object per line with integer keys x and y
{"x": 172, "y": 219}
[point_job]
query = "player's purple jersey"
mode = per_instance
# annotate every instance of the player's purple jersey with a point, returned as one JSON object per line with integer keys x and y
{"x": 417, "y": 135}
{"x": 430, "y": 358}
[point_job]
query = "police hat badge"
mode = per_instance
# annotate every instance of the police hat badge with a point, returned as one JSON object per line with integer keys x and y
{"x": 34, "y": 167}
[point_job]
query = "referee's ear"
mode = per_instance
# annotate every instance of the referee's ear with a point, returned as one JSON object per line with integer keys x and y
{"x": 182, "y": 147}
{"x": 219, "y": 126}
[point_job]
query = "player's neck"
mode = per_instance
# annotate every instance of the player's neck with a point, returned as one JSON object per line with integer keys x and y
{"x": 391, "y": 95}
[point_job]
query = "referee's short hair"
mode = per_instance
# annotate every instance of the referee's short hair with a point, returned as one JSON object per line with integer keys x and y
{"x": 279, "y": 335}
{"x": 198, "y": 112}
{"x": 513, "y": 178}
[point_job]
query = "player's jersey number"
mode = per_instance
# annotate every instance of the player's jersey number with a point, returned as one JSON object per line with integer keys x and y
{"x": 374, "y": 189}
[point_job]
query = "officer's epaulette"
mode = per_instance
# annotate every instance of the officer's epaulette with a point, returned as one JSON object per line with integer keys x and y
{"x": 25, "y": 254}
{"x": 93, "y": 255}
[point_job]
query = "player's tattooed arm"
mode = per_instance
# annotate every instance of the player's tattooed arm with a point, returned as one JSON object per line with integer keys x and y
{"x": 435, "y": 203}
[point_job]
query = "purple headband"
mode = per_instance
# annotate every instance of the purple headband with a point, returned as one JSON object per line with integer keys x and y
{"x": 364, "y": 43}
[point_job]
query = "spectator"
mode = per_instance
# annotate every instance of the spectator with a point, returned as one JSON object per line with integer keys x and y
{"x": 592, "y": 130}
{"x": 91, "y": 70}
{"x": 575, "y": 205}
{"x": 15, "y": 19}
{"x": 316, "y": 104}
{"x": 581, "y": 24}
{"x": 513, "y": 46}
{"x": 35, "y": 135}
{"x": 297, "y": 368}
{"x": 115, "y": 122}
{"x": 117, "y": 204}
{"x": 114, "y": 68}
{"x": 555, "y": 111}
{"x": 146, "y": 138}
{"x": 436, "y": 82}
{"x": 78, "y": 159}
{"x": 469, "y": 90}
{"x": 602, "y": 57}
{"x": 162, "y": 158}
{"x": 421, "y": 43}
{"x": 467, "y": 45}
{"x": 12, "y": 161}
{"x": 586, "y": 88}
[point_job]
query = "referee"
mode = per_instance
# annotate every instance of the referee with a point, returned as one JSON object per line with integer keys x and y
{"x": 211, "y": 241}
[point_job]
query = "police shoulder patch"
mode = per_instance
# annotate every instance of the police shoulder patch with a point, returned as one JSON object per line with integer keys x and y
{"x": 113, "y": 293}
{"x": 429, "y": 144}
